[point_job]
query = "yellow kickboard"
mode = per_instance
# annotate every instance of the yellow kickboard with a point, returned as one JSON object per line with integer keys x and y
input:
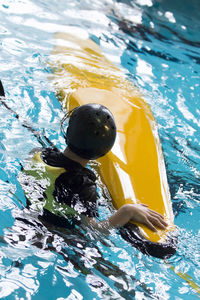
{"x": 134, "y": 171}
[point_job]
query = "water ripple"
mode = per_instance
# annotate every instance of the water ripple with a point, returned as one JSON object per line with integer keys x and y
{"x": 156, "y": 44}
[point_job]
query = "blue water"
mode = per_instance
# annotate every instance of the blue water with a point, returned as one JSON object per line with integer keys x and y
{"x": 156, "y": 44}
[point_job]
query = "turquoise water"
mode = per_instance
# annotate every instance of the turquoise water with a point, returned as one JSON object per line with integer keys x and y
{"x": 156, "y": 44}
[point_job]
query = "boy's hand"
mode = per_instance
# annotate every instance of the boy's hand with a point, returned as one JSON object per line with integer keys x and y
{"x": 140, "y": 213}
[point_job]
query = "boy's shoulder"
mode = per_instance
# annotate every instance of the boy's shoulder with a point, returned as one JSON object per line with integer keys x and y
{"x": 56, "y": 158}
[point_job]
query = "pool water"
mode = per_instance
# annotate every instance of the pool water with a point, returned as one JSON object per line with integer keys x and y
{"x": 156, "y": 44}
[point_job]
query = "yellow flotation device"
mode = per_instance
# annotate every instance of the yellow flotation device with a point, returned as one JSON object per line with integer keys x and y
{"x": 134, "y": 170}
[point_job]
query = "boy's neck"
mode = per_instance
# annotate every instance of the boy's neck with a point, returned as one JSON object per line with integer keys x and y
{"x": 71, "y": 155}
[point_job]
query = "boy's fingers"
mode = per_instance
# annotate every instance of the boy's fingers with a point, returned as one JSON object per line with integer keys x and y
{"x": 150, "y": 225}
{"x": 159, "y": 223}
{"x": 159, "y": 217}
{"x": 161, "y": 220}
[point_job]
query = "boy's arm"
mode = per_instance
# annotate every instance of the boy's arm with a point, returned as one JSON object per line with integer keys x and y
{"x": 139, "y": 213}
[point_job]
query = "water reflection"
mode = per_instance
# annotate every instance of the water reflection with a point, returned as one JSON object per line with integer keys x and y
{"x": 29, "y": 236}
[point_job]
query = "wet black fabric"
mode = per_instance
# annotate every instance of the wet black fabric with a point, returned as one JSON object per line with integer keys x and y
{"x": 76, "y": 187}
{"x": 132, "y": 234}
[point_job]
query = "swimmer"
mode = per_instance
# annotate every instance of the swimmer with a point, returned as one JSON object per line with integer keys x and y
{"x": 70, "y": 198}
{"x": 91, "y": 134}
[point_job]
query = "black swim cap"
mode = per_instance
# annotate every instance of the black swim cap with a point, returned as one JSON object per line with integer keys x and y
{"x": 91, "y": 131}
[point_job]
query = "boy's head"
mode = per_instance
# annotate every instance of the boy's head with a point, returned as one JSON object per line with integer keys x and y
{"x": 91, "y": 131}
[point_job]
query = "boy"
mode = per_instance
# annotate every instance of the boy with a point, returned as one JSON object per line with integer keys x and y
{"x": 90, "y": 134}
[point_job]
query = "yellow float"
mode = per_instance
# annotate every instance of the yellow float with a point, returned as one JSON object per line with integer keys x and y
{"x": 134, "y": 171}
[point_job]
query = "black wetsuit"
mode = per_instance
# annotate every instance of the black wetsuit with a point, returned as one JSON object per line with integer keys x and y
{"x": 76, "y": 187}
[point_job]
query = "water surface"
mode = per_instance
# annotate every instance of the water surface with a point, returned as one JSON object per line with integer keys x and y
{"x": 156, "y": 44}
